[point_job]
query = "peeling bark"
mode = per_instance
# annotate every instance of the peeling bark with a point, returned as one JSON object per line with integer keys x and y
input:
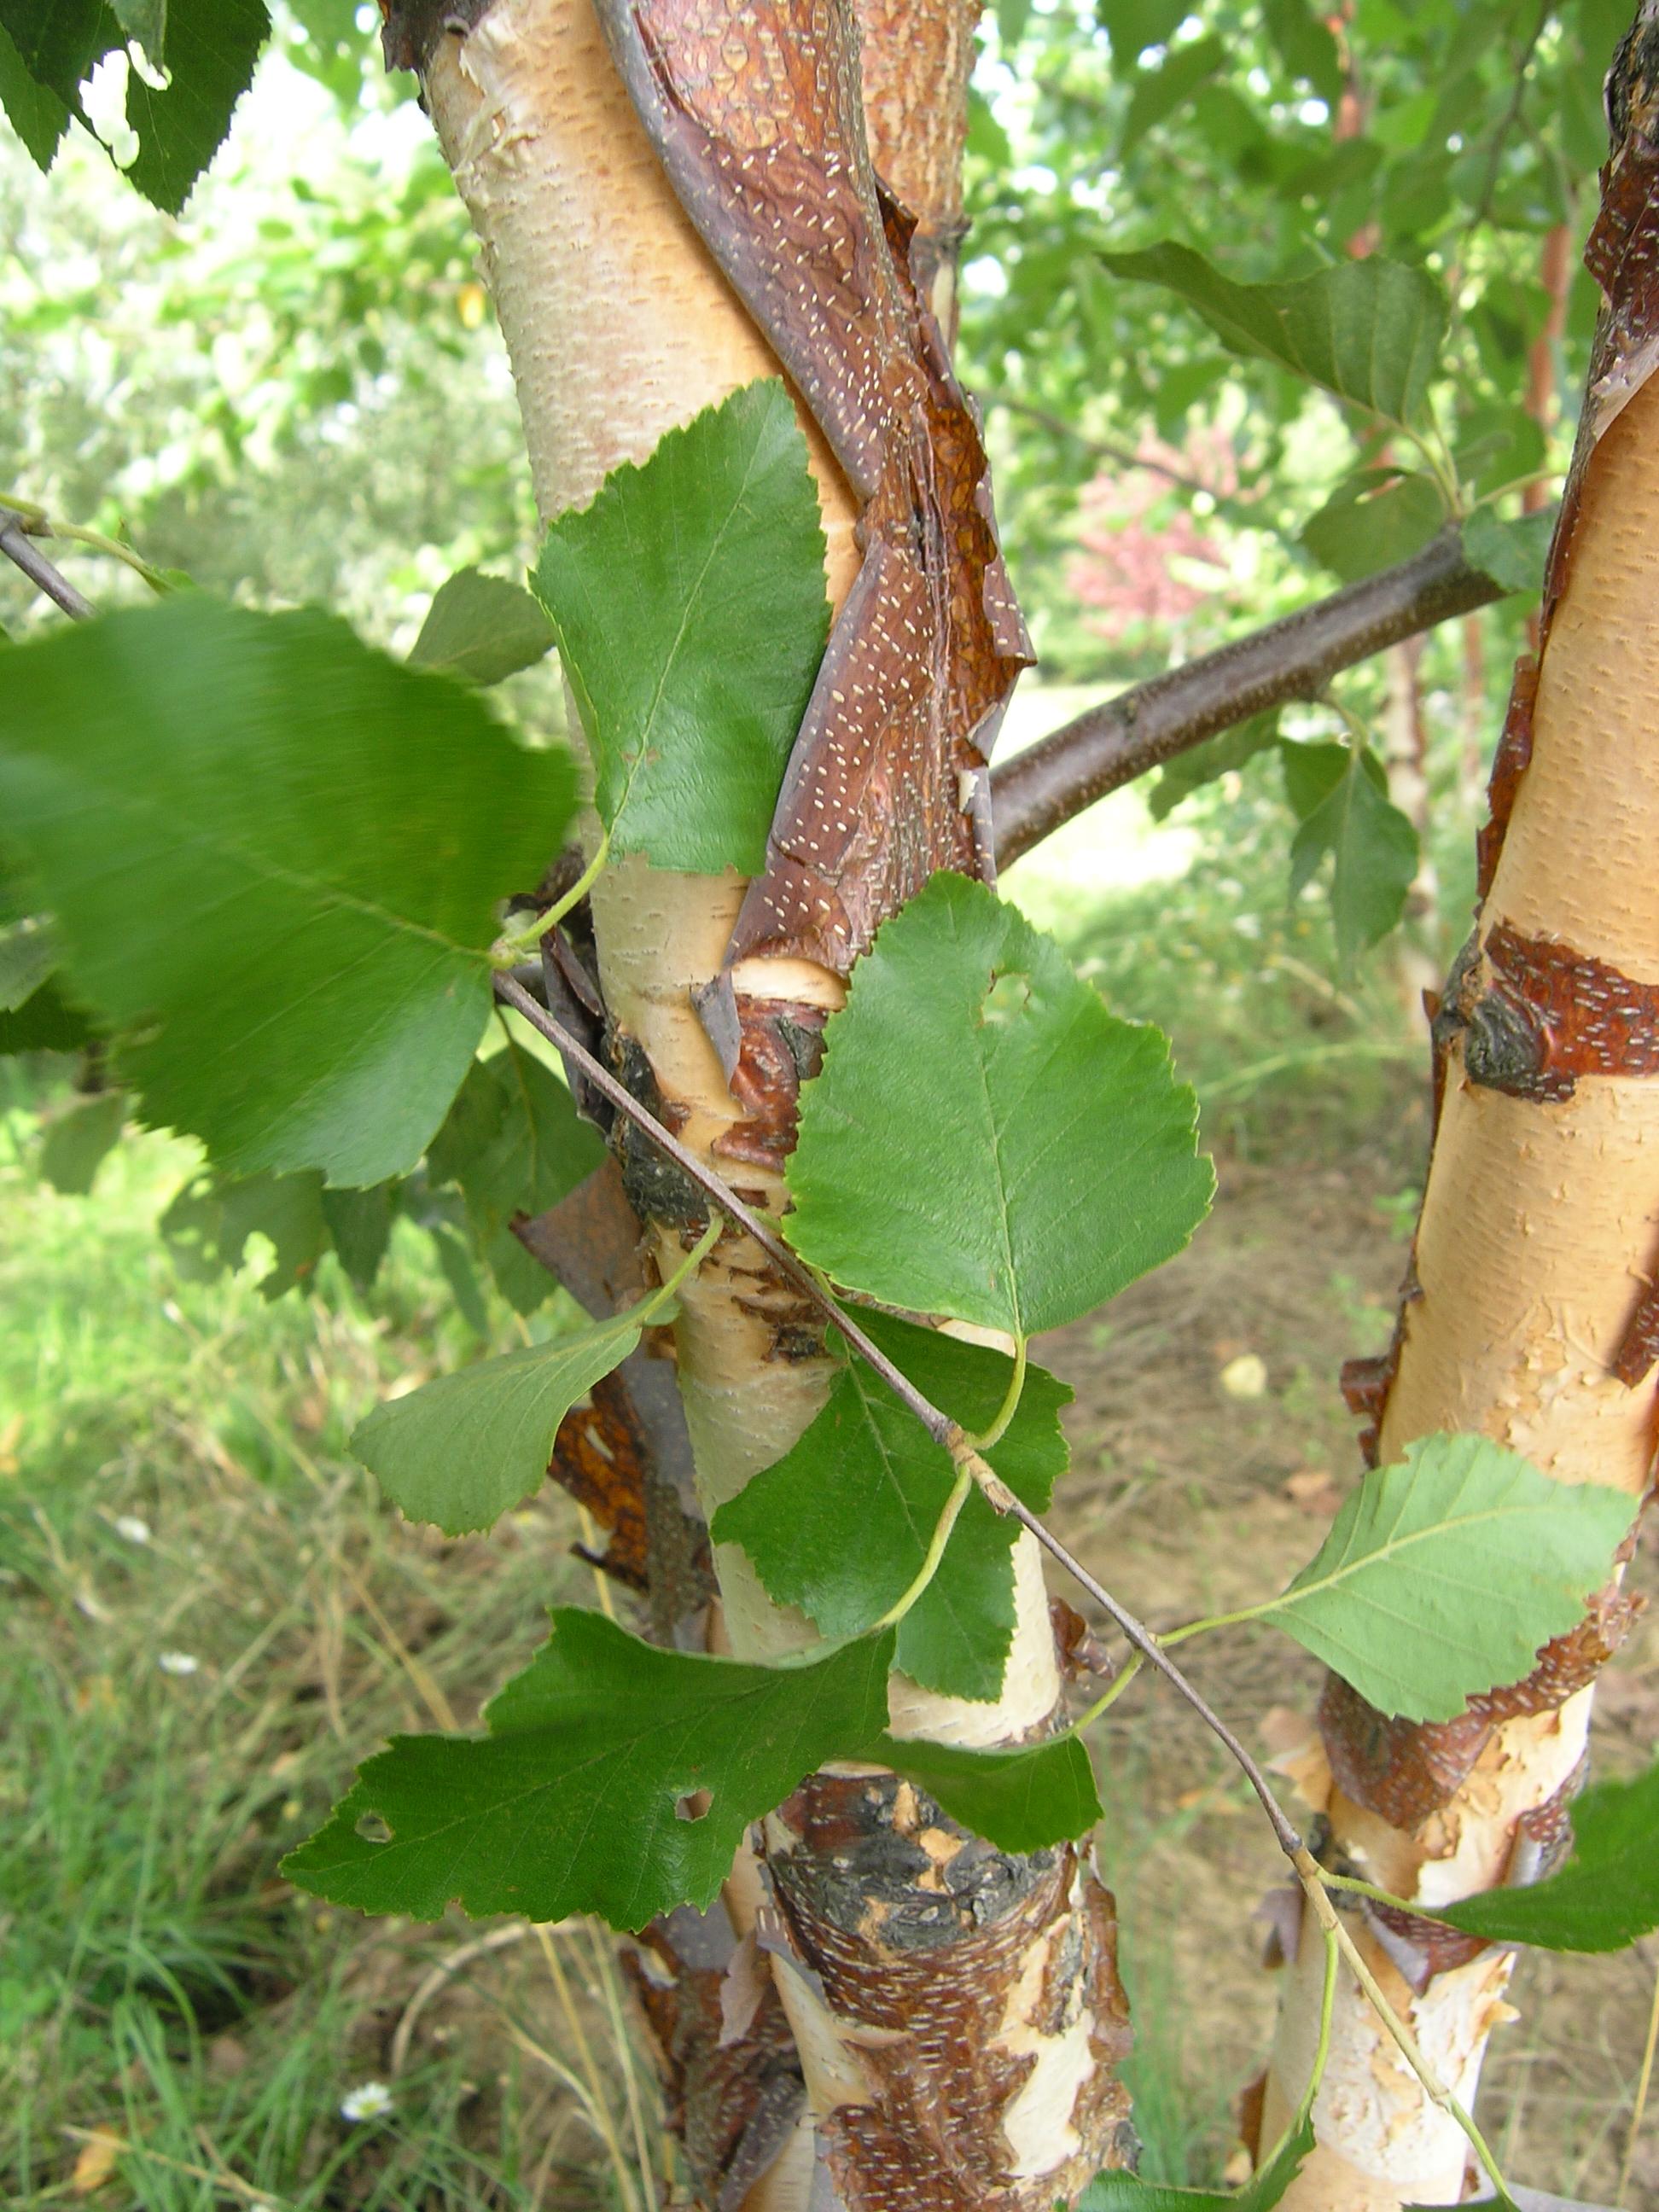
{"x": 628, "y": 305}
{"x": 1529, "y": 1310}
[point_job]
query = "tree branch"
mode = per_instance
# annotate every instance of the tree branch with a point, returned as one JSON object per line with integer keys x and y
{"x": 1036, "y": 792}
{"x": 15, "y": 544}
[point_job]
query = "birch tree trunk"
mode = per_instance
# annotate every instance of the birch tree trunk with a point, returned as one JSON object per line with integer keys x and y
{"x": 1530, "y": 1311}
{"x": 888, "y": 2013}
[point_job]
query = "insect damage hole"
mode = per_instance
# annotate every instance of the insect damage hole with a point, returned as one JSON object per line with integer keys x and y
{"x": 1009, "y": 996}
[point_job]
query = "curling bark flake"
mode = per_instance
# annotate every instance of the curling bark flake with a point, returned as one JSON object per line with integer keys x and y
{"x": 672, "y": 198}
{"x": 1531, "y": 1311}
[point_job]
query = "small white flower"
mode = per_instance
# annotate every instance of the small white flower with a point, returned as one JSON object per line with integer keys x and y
{"x": 366, "y": 2102}
{"x": 129, "y": 1526}
{"x": 178, "y": 1663}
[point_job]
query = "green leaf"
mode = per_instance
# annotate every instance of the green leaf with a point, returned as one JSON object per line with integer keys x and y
{"x": 45, "y": 1022}
{"x": 1158, "y": 92}
{"x": 277, "y": 855}
{"x": 211, "y": 48}
{"x": 58, "y": 42}
{"x": 360, "y": 1226}
{"x": 1020, "y": 1800}
{"x": 1444, "y": 1575}
{"x": 1341, "y": 795}
{"x": 145, "y": 22}
{"x": 688, "y": 602}
{"x": 984, "y": 1140}
{"x": 1200, "y": 765}
{"x": 460, "y": 1451}
{"x": 1123, "y": 2192}
{"x": 208, "y": 1225}
{"x": 1305, "y": 47}
{"x": 868, "y": 1464}
{"x": 1134, "y": 25}
{"x": 1606, "y": 1896}
{"x": 28, "y": 953}
{"x": 79, "y": 1139}
{"x": 1510, "y": 553}
{"x": 481, "y": 628}
{"x": 1366, "y": 524}
{"x": 513, "y": 1144}
{"x": 575, "y": 1800}
{"x": 461, "y": 1276}
{"x": 34, "y": 110}
{"x": 1369, "y": 330}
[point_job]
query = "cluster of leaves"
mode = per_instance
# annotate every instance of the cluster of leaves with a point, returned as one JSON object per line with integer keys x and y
{"x": 1314, "y": 327}
{"x": 1444, "y": 139}
{"x": 273, "y": 862}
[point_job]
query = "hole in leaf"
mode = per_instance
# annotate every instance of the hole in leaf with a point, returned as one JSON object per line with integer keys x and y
{"x": 373, "y": 1829}
{"x": 1007, "y": 999}
{"x": 692, "y": 1806}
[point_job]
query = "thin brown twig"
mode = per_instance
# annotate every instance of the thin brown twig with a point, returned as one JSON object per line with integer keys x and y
{"x": 1040, "y": 790}
{"x": 19, "y": 550}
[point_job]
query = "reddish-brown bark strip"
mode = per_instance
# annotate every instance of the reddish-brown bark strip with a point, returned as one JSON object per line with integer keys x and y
{"x": 756, "y": 115}
{"x": 777, "y": 1044}
{"x": 626, "y": 1456}
{"x": 1508, "y": 767}
{"x": 732, "y": 2080}
{"x": 1536, "y": 1017}
{"x": 1404, "y": 1770}
{"x": 921, "y": 1938}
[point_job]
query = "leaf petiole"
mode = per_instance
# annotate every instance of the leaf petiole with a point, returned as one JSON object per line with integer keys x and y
{"x": 1010, "y": 1405}
{"x": 941, "y": 1536}
{"x": 1113, "y": 1690}
{"x": 650, "y": 1307}
{"x": 504, "y": 953}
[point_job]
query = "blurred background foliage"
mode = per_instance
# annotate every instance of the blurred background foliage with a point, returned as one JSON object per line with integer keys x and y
{"x": 295, "y": 391}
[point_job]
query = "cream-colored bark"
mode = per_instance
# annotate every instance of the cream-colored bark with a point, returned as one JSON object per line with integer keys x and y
{"x": 1539, "y": 1229}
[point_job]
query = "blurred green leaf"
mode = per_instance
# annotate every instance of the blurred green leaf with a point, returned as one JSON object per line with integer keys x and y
{"x": 208, "y": 1226}
{"x": 1369, "y": 330}
{"x": 1157, "y": 91}
{"x": 1510, "y": 553}
{"x": 79, "y": 1138}
{"x": 513, "y": 1144}
{"x": 1339, "y": 794}
{"x": 1200, "y": 765}
{"x": 481, "y": 628}
{"x": 1367, "y": 525}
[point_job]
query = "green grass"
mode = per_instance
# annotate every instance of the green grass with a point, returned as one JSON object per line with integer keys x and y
{"x": 212, "y": 1618}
